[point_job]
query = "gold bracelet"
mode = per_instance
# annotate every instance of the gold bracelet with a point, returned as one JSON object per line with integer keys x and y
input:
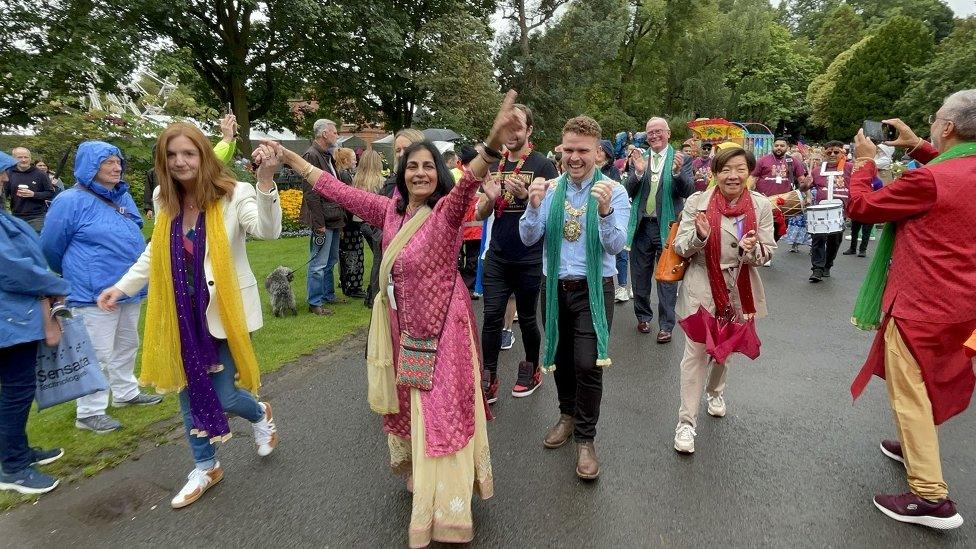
{"x": 917, "y": 145}
{"x": 307, "y": 170}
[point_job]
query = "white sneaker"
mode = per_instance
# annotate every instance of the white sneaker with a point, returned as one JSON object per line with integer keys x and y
{"x": 621, "y": 295}
{"x": 684, "y": 438}
{"x": 716, "y": 406}
{"x": 265, "y": 432}
{"x": 630, "y": 292}
{"x": 197, "y": 483}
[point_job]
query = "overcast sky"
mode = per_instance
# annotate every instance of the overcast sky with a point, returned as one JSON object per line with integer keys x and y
{"x": 963, "y": 7}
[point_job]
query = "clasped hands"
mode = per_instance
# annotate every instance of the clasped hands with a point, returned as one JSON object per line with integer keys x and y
{"x": 704, "y": 229}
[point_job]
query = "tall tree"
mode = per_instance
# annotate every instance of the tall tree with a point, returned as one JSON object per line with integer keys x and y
{"x": 935, "y": 14}
{"x": 950, "y": 70}
{"x": 459, "y": 87}
{"x": 527, "y": 16}
{"x": 251, "y": 55}
{"x": 840, "y": 30}
{"x": 60, "y": 49}
{"x": 388, "y": 51}
{"x": 877, "y": 74}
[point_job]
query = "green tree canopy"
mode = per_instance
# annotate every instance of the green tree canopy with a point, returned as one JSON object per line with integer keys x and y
{"x": 840, "y": 30}
{"x": 950, "y": 70}
{"x": 876, "y": 75}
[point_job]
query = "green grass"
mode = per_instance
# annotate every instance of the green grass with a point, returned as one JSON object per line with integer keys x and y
{"x": 280, "y": 341}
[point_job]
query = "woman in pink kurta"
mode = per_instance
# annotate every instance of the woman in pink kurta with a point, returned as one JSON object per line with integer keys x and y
{"x": 438, "y": 437}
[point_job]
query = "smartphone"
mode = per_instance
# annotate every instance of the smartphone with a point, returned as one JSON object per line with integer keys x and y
{"x": 879, "y": 131}
{"x": 230, "y": 110}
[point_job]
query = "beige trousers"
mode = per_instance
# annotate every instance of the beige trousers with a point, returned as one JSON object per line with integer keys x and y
{"x": 697, "y": 368}
{"x": 912, "y": 410}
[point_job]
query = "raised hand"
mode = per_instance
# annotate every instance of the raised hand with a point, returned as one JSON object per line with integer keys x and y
{"x": 640, "y": 163}
{"x": 702, "y": 226}
{"x": 679, "y": 161}
{"x": 492, "y": 188}
{"x": 268, "y": 158}
{"x": 906, "y": 137}
{"x": 863, "y": 146}
{"x": 506, "y": 122}
{"x": 228, "y": 127}
{"x": 517, "y": 186}
{"x": 537, "y": 191}
{"x": 748, "y": 241}
{"x": 602, "y": 192}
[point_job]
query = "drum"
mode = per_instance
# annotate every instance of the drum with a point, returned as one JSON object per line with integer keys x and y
{"x": 791, "y": 203}
{"x": 826, "y": 217}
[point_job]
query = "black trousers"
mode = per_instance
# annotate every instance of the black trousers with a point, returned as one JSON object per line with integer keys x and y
{"x": 468, "y": 262}
{"x": 501, "y": 280}
{"x": 372, "y": 236}
{"x": 862, "y": 229}
{"x": 351, "y": 258}
{"x": 579, "y": 381}
{"x": 823, "y": 250}
{"x": 643, "y": 258}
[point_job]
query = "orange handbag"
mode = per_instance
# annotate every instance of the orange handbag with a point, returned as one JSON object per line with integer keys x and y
{"x": 670, "y": 266}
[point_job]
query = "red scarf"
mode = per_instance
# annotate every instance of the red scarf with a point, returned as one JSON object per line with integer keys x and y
{"x": 719, "y": 207}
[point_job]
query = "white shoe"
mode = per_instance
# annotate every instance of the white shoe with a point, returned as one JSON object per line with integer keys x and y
{"x": 265, "y": 432}
{"x": 197, "y": 483}
{"x": 630, "y": 292}
{"x": 716, "y": 406}
{"x": 684, "y": 438}
{"x": 621, "y": 295}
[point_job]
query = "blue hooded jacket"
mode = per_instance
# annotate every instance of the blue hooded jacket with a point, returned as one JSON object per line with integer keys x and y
{"x": 24, "y": 278}
{"x": 88, "y": 241}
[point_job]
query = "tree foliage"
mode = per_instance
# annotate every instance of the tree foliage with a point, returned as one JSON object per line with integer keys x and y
{"x": 876, "y": 75}
{"x": 61, "y": 49}
{"x": 840, "y": 30}
{"x": 950, "y": 70}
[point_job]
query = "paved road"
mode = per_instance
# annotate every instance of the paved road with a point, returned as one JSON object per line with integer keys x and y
{"x": 793, "y": 464}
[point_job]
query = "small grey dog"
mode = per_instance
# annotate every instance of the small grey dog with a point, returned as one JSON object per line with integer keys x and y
{"x": 278, "y": 285}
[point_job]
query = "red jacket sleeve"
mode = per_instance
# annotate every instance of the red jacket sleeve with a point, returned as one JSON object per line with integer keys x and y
{"x": 924, "y": 153}
{"x": 911, "y": 194}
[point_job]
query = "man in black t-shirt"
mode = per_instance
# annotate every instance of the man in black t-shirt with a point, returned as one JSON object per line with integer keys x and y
{"x": 511, "y": 267}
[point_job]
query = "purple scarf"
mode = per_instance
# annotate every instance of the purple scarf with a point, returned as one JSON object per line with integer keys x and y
{"x": 198, "y": 348}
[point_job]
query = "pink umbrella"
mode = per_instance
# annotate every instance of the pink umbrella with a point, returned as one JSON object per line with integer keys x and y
{"x": 722, "y": 336}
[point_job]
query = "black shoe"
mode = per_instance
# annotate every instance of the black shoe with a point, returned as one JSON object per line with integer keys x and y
{"x": 358, "y": 294}
{"x": 825, "y": 273}
{"x": 850, "y": 252}
{"x": 45, "y": 457}
{"x": 816, "y": 276}
{"x": 862, "y": 254}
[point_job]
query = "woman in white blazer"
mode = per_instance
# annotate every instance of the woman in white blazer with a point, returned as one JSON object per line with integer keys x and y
{"x": 197, "y": 333}
{"x": 726, "y": 231}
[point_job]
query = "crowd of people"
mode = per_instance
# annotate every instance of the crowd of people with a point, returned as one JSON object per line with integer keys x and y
{"x": 502, "y": 222}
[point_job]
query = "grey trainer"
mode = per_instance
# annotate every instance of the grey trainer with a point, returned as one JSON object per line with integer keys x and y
{"x": 141, "y": 399}
{"x": 99, "y": 424}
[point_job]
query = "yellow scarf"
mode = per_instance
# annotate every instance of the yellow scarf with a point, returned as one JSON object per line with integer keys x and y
{"x": 162, "y": 365}
{"x": 380, "y": 370}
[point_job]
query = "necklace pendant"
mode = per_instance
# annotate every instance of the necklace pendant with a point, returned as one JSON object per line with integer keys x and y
{"x": 572, "y": 230}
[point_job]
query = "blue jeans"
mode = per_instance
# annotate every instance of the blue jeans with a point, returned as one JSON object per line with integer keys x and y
{"x": 623, "y": 266}
{"x": 321, "y": 283}
{"x": 235, "y": 401}
{"x": 17, "y": 384}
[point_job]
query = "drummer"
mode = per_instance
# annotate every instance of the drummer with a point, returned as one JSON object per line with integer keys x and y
{"x": 824, "y": 246}
{"x": 779, "y": 172}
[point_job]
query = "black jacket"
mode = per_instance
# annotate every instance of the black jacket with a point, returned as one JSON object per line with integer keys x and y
{"x": 37, "y": 181}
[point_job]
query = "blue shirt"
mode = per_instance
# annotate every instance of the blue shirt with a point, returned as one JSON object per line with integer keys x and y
{"x": 613, "y": 229}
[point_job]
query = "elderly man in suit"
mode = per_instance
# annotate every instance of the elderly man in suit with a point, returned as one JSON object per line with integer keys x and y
{"x": 928, "y": 308}
{"x": 658, "y": 187}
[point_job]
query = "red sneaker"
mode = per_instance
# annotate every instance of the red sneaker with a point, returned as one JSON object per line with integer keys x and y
{"x": 892, "y": 449}
{"x": 529, "y": 379}
{"x": 489, "y": 386}
{"x": 910, "y": 508}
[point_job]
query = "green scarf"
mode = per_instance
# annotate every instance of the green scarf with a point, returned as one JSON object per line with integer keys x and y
{"x": 667, "y": 200}
{"x": 594, "y": 273}
{"x": 867, "y": 308}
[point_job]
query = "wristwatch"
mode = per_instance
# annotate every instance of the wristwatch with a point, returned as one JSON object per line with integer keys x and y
{"x": 608, "y": 213}
{"x": 490, "y": 152}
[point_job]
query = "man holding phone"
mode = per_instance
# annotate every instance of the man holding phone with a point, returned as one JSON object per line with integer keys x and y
{"x": 928, "y": 308}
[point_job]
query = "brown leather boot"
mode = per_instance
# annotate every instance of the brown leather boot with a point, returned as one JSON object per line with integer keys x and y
{"x": 587, "y": 467}
{"x": 560, "y": 433}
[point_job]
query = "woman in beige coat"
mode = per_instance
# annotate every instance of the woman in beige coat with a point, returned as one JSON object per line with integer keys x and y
{"x": 723, "y": 230}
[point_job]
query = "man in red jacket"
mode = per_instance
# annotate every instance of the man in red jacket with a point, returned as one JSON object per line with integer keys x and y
{"x": 929, "y": 302}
